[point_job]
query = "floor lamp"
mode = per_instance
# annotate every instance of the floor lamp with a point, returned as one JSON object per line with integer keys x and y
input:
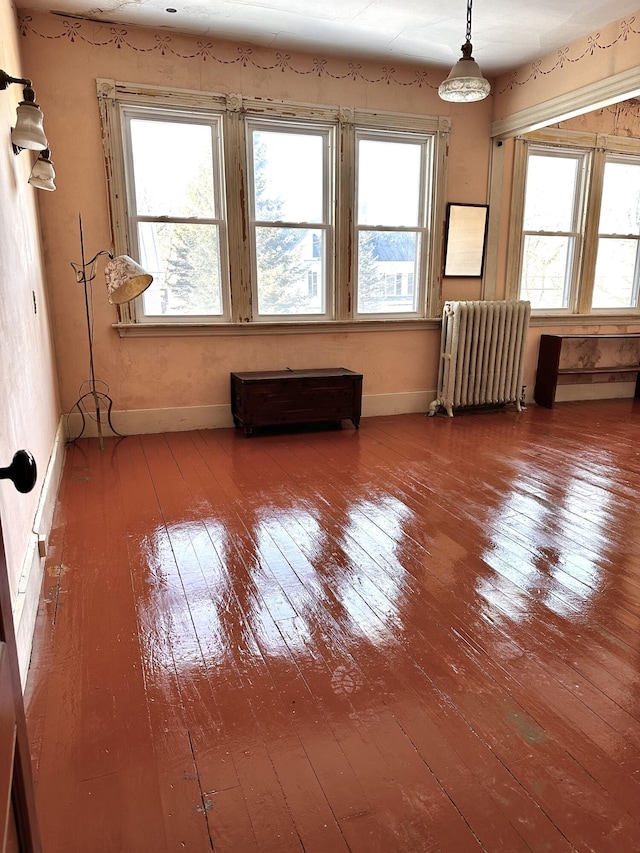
{"x": 125, "y": 279}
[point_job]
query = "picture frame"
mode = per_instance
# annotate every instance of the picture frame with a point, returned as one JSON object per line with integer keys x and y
{"x": 465, "y": 240}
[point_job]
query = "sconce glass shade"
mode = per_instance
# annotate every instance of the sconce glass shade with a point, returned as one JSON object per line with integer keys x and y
{"x": 43, "y": 173}
{"x": 465, "y": 82}
{"x": 29, "y": 131}
{"x": 125, "y": 279}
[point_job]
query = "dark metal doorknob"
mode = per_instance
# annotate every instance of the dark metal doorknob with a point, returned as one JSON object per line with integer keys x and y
{"x": 23, "y": 471}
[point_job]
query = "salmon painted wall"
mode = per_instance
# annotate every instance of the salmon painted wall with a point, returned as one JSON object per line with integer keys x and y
{"x": 66, "y": 57}
{"x": 598, "y": 56}
{"x": 28, "y": 385}
{"x": 621, "y": 119}
{"x": 610, "y": 51}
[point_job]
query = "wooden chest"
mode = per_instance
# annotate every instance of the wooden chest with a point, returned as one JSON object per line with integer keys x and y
{"x": 272, "y": 397}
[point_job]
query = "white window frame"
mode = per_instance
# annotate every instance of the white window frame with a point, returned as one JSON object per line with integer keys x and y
{"x": 615, "y": 157}
{"x": 426, "y": 143}
{"x": 236, "y": 111}
{"x": 214, "y": 122}
{"x": 575, "y": 234}
{"x": 328, "y": 134}
{"x": 596, "y": 147}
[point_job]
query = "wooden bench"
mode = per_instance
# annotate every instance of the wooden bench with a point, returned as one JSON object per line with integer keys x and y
{"x": 274, "y": 397}
{"x": 549, "y": 365}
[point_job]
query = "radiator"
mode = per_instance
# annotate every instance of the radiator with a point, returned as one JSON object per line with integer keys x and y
{"x": 482, "y": 354}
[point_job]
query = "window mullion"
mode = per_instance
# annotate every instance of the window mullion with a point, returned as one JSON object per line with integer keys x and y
{"x": 236, "y": 184}
{"x": 591, "y": 222}
{"x": 344, "y": 269}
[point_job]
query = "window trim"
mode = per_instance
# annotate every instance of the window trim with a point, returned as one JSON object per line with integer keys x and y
{"x": 214, "y": 121}
{"x": 422, "y": 229}
{"x": 235, "y": 108}
{"x": 616, "y": 157}
{"x": 328, "y": 132}
{"x": 597, "y": 146}
{"x": 575, "y": 235}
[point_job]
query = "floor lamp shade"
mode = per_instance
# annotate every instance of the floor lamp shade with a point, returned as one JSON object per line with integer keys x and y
{"x": 125, "y": 279}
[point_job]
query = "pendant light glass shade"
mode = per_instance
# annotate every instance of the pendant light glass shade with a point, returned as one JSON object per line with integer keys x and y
{"x": 125, "y": 279}
{"x": 29, "y": 132}
{"x": 43, "y": 173}
{"x": 465, "y": 81}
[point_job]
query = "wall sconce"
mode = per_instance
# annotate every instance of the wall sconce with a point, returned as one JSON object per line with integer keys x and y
{"x": 125, "y": 279}
{"x": 29, "y": 131}
{"x": 43, "y": 173}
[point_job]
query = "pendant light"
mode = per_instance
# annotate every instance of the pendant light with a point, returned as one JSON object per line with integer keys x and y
{"x": 465, "y": 81}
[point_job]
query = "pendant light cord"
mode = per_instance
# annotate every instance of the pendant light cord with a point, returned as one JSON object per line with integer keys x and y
{"x": 468, "y": 20}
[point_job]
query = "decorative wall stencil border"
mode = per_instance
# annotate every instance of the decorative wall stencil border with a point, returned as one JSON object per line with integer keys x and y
{"x": 166, "y": 45}
{"x": 624, "y": 118}
{"x": 563, "y": 58}
{"x": 627, "y": 108}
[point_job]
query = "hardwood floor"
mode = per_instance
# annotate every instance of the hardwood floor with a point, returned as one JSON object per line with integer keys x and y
{"x": 421, "y": 636}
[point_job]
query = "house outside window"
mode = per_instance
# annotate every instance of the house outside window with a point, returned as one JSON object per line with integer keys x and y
{"x": 575, "y": 227}
{"x": 244, "y": 210}
{"x": 312, "y": 283}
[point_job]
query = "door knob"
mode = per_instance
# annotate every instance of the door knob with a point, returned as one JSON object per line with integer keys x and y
{"x": 23, "y": 471}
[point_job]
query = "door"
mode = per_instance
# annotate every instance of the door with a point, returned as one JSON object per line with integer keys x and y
{"x": 19, "y": 831}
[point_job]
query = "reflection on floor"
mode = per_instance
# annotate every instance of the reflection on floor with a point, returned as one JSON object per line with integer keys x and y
{"x": 422, "y": 636}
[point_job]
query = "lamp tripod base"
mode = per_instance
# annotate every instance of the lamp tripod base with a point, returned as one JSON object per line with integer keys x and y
{"x": 94, "y": 406}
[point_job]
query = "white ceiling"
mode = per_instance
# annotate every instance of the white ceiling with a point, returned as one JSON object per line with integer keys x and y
{"x": 505, "y": 34}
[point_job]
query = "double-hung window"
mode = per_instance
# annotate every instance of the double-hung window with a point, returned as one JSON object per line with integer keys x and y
{"x": 575, "y": 227}
{"x": 551, "y": 232}
{"x": 617, "y": 270}
{"x": 176, "y": 212}
{"x": 291, "y": 219}
{"x": 393, "y": 207}
{"x": 255, "y": 211}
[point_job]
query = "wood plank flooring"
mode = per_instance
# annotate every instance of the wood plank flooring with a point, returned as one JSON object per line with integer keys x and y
{"x": 420, "y": 636}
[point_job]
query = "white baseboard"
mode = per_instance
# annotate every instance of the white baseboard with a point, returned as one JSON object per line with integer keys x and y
{"x": 25, "y": 606}
{"x": 595, "y": 391}
{"x": 375, "y": 405}
{"x": 142, "y": 421}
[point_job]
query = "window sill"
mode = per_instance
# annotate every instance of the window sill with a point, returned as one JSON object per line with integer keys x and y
{"x": 155, "y": 330}
{"x": 550, "y": 319}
